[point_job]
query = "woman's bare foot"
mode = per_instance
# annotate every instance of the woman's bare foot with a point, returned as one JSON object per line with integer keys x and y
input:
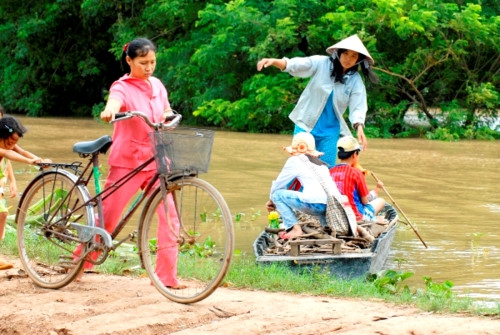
{"x": 294, "y": 233}
{"x": 365, "y": 234}
{"x": 179, "y": 286}
{"x": 79, "y": 276}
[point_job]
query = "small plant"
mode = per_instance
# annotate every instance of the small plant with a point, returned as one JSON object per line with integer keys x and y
{"x": 436, "y": 296}
{"x": 205, "y": 249}
{"x": 153, "y": 245}
{"x": 400, "y": 262}
{"x": 254, "y": 214}
{"x": 273, "y": 218}
{"x": 389, "y": 281}
{"x": 474, "y": 243}
{"x": 217, "y": 214}
{"x": 203, "y": 217}
{"x": 438, "y": 290}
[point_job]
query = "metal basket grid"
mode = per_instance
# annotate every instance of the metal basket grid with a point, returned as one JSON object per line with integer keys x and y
{"x": 182, "y": 149}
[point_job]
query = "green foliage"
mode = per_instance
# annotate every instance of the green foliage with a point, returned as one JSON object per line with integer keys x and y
{"x": 246, "y": 274}
{"x": 204, "y": 249}
{"x": 442, "y": 134}
{"x": 389, "y": 281}
{"x": 242, "y": 217}
{"x": 436, "y": 296}
{"x": 61, "y": 57}
{"x": 456, "y": 122}
{"x": 55, "y": 55}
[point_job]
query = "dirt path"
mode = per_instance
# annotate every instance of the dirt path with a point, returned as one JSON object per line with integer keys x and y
{"x": 103, "y": 304}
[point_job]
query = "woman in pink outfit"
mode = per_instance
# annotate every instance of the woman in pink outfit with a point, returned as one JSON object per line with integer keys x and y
{"x": 138, "y": 90}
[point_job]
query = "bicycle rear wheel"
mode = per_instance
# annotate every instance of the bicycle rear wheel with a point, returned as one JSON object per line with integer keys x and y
{"x": 45, "y": 237}
{"x": 197, "y": 251}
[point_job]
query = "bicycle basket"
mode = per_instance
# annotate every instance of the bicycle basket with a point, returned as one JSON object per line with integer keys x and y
{"x": 182, "y": 149}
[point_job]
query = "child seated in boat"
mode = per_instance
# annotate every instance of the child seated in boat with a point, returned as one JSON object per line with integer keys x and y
{"x": 312, "y": 198}
{"x": 351, "y": 182}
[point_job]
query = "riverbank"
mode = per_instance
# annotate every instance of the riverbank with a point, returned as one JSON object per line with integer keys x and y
{"x": 118, "y": 305}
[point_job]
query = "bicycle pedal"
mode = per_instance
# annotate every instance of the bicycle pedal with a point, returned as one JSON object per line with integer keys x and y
{"x": 66, "y": 265}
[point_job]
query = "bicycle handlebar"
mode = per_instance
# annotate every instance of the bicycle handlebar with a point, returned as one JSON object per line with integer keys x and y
{"x": 173, "y": 120}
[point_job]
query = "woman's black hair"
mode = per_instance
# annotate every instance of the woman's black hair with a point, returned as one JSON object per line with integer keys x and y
{"x": 338, "y": 71}
{"x": 10, "y": 125}
{"x": 138, "y": 47}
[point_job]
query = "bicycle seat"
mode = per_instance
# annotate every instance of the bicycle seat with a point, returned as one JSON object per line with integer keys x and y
{"x": 100, "y": 145}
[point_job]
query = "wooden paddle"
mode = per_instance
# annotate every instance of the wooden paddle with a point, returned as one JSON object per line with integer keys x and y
{"x": 408, "y": 222}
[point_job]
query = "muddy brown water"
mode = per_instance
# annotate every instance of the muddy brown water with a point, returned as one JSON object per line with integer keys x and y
{"x": 449, "y": 191}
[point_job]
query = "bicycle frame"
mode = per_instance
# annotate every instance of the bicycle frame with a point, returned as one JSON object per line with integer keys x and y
{"x": 59, "y": 229}
{"x": 93, "y": 149}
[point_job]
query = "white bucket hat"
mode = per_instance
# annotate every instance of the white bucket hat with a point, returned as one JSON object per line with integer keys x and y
{"x": 352, "y": 43}
{"x": 303, "y": 143}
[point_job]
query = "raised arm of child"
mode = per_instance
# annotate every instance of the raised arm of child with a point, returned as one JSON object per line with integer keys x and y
{"x": 34, "y": 158}
{"x": 11, "y": 180}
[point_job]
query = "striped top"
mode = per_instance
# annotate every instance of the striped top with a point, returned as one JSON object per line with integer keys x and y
{"x": 351, "y": 182}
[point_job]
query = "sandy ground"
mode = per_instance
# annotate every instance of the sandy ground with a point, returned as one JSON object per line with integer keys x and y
{"x": 102, "y": 304}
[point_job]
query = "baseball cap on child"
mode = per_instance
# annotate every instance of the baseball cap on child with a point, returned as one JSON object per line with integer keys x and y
{"x": 303, "y": 143}
{"x": 348, "y": 144}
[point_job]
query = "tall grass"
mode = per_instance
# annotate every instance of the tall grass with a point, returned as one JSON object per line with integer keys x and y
{"x": 244, "y": 273}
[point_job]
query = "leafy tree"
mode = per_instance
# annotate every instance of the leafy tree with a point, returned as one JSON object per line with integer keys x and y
{"x": 57, "y": 52}
{"x": 424, "y": 50}
{"x": 61, "y": 57}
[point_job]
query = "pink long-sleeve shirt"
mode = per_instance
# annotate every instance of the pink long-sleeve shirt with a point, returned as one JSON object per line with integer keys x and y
{"x": 131, "y": 145}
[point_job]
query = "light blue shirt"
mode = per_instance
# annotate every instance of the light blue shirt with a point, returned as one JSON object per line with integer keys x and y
{"x": 313, "y": 99}
{"x": 312, "y": 191}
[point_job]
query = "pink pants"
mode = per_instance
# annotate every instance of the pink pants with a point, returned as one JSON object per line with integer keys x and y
{"x": 113, "y": 207}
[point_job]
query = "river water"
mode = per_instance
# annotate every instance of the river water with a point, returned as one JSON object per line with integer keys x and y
{"x": 449, "y": 191}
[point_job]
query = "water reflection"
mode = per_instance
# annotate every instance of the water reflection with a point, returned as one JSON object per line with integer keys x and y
{"x": 448, "y": 190}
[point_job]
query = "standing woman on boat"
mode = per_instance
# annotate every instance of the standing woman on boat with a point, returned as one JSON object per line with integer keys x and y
{"x": 335, "y": 84}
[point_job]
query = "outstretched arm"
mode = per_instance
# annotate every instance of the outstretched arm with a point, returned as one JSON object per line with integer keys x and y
{"x": 18, "y": 154}
{"x": 266, "y": 62}
{"x": 12, "y": 180}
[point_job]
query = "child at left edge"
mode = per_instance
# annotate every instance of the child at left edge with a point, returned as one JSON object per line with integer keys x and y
{"x": 6, "y": 175}
{"x": 10, "y": 132}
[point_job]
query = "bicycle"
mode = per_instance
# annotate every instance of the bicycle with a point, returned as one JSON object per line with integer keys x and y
{"x": 56, "y": 214}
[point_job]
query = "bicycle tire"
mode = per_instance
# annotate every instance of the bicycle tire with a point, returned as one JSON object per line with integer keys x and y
{"x": 204, "y": 256}
{"x": 43, "y": 238}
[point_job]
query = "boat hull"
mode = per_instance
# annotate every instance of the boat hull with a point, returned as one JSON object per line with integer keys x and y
{"x": 345, "y": 265}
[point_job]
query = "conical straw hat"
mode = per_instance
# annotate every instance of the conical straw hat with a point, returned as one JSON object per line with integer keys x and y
{"x": 351, "y": 43}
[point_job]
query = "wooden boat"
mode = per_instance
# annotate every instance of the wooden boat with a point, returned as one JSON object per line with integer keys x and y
{"x": 347, "y": 264}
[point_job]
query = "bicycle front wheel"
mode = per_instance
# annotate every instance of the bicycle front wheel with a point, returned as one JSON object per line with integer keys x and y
{"x": 190, "y": 244}
{"x": 46, "y": 238}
